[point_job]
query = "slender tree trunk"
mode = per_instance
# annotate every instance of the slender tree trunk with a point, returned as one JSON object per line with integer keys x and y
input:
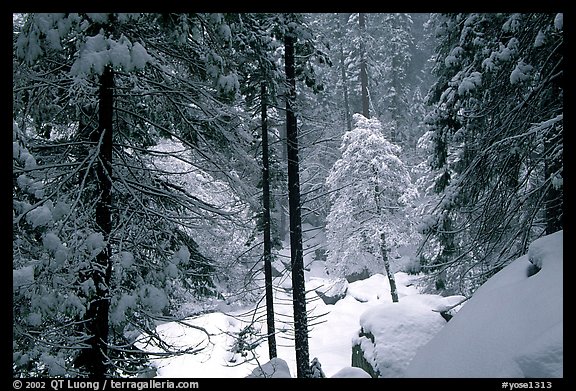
{"x": 266, "y": 219}
{"x": 391, "y": 279}
{"x": 96, "y": 358}
{"x": 282, "y": 198}
{"x": 298, "y": 288}
{"x": 347, "y": 115}
{"x": 345, "y": 91}
{"x": 363, "y": 67}
{"x": 383, "y": 247}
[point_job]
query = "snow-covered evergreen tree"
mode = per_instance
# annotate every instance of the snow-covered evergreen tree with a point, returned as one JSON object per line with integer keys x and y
{"x": 370, "y": 189}
{"x": 496, "y": 125}
{"x": 166, "y": 85}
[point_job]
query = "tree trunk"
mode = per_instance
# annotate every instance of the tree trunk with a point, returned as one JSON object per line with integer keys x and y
{"x": 347, "y": 115}
{"x": 363, "y": 67}
{"x": 384, "y": 253}
{"x": 266, "y": 221}
{"x": 383, "y": 250}
{"x": 298, "y": 288}
{"x": 96, "y": 356}
{"x": 345, "y": 91}
{"x": 282, "y": 198}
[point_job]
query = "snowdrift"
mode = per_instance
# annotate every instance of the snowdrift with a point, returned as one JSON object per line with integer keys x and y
{"x": 512, "y": 326}
{"x": 391, "y": 333}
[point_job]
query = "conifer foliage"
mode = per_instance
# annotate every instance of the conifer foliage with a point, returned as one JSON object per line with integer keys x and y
{"x": 370, "y": 188}
{"x": 496, "y": 126}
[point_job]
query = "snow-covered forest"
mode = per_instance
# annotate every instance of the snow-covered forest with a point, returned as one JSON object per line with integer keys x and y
{"x": 235, "y": 195}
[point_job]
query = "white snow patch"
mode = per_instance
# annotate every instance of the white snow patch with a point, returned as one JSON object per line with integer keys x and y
{"x": 140, "y": 56}
{"x": 331, "y": 335}
{"x": 61, "y": 209}
{"x": 559, "y": 21}
{"x": 119, "y": 314}
{"x": 469, "y": 83}
{"x": 95, "y": 242}
{"x": 56, "y": 365}
{"x": 520, "y": 73}
{"x": 546, "y": 249}
{"x": 126, "y": 259}
{"x": 53, "y": 39}
{"x": 60, "y": 256}
{"x": 373, "y": 288}
{"x": 544, "y": 357}
{"x": 98, "y": 17}
{"x": 120, "y": 53}
{"x": 22, "y": 277}
{"x": 509, "y": 328}
{"x": 399, "y": 330}
{"x": 275, "y": 368}
{"x": 34, "y": 319}
{"x": 351, "y": 372}
{"x": 153, "y": 298}
{"x": 539, "y": 40}
{"x": 182, "y": 255}
{"x": 30, "y": 163}
{"x": 39, "y": 217}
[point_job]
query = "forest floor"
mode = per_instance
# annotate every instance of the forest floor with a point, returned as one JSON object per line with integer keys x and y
{"x": 234, "y": 344}
{"x": 489, "y": 337}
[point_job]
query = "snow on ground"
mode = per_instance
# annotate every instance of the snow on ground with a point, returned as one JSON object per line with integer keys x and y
{"x": 399, "y": 329}
{"x": 272, "y": 369}
{"x": 511, "y": 327}
{"x": 351, "y": 372}
{"x": 331, "y": 332}
{"x": 332, "y": 328}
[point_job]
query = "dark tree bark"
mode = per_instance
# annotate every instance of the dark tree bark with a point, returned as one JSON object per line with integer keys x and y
{"x": 267, "y": 226}
{"x": 95, "y": 358}
{"x": 282, "y": 199}
{"x": 383, "y": 247}
{"x": 363, "y": 67}
{"x": 298, "y": 288}
{"x": 389, "y": 274}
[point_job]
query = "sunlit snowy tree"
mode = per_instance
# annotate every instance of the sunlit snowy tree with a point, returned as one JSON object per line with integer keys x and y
{"x": 370, "y": 189}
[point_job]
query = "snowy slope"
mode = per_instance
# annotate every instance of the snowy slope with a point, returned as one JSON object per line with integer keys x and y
{"x": 511, "y": 327}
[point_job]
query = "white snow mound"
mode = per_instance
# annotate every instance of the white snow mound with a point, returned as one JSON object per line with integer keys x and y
{"x": 273, "y": 368}
{"x": 511, "y": 327}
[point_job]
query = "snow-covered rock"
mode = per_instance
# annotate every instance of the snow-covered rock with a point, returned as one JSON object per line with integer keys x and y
{"x": 354, "y": 276}
{"x": 351, "y": 372}
{"x": 332, "y": 290}
{"x": 273, "y": 368}
{"x": 391, "y": 333}
{"x": 511, "y": 327}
